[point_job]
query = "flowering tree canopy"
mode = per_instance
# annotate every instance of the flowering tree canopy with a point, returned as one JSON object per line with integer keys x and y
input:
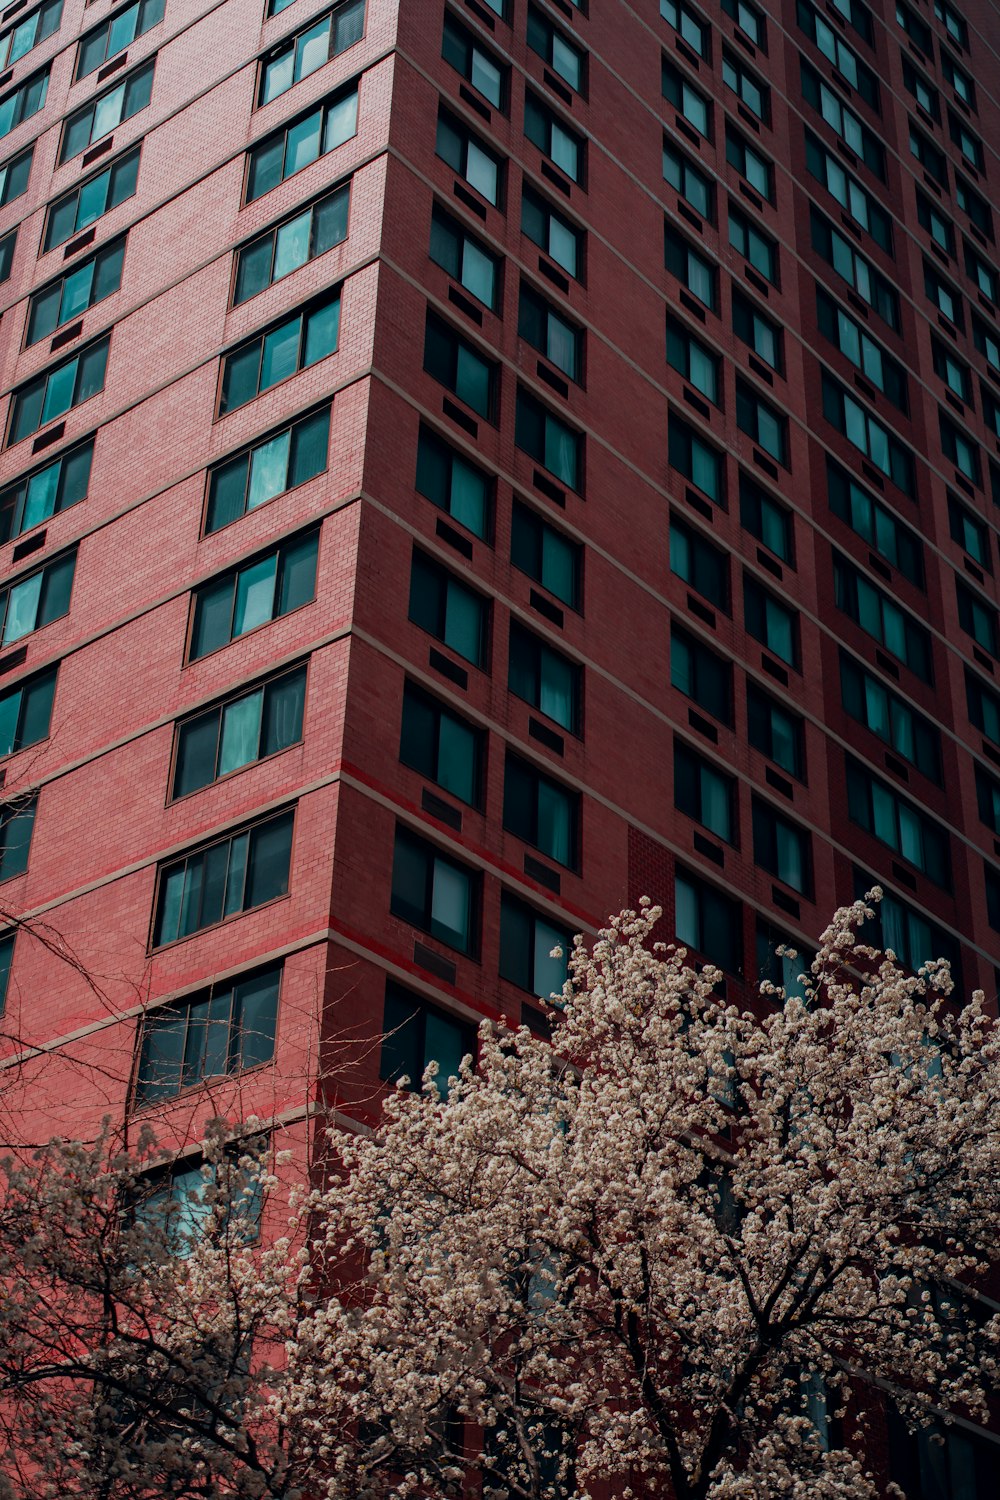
{"x": 667, "y": 1253}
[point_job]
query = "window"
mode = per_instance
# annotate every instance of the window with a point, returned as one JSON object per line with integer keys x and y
{"x": 449, "y": 481}
{"x": 760, "y": 333}
{"x": 861, "y": 276}
{"x": 749, "y": 19}
{"x": 987, "y": 342}
{"x": 978, "y": 619}
{"x": 6, "y": 960}
{"x": 526, "y": 943}
{"x": 917, "y": 30}
{"x": 762, "y": 422}
{"x": 547, "y": 228}
{"x": 277, "y": 464}
{"x": 229, "y": 1028}
{"x": 770, "y": 621}
{"x": 246, "y": 728}
{"x": 875, "y": 523}
{"x": 545, "y": 679}
{"x": 895, "y": 925}
{"x": 781, "y": 848}
{"x": 441, "y": 746}
{"x": 465, "y": 258}
{"x": 703, "y": 566}
{"x": 693, "y": 270}
{"x": 91, "y": 199}
{"x": 785, "y": 972}
{"x": 953, "y": 23}
{"x": 476, "y": 65}
{"x": 843, "y": 121}
{"x": 550, "y": 333}
{"x": 693, "y": 360}
{"x": 700, "y": 675}
{"x": 14, "y": 174}
{"x": 548, "y": 440}
{"x": 416, "y": 1034}
{"x": 172, "y": 1205}
{"x": 882, "y": 619}
{"x": 268, "y": 586}
{"x": 554, "y": 139}
{"x": 687, "y": 25}
{"x": 984, "y": 706}
{"x": 448, "y": 610}
{"x": 116, "y": 33}
{"x": 973, "y": 204}
{"x": 222, "y": 879}
{"x": 30, "y": 32}
{"x": 17, "y": 822}
{"x": 703, "y": 793}
{"x": 37, "y": 599}
{"x": 58, "y": 389}
{"x": 753, "y": 245}
{"x": 991, "y": 408}
{"x": 691, "y": 456}
{"x": 889, "y": 717}
{"x": 750, "y": 164}
{"x": 952, "y": 370}
{"x": 897, "y": 823}
{"x": 304, "y": 140}
{"x": 107, "y": 111}
{"x": 958, "y": 78}
{"x": 766, "y": 519}
{"x": 936, "y": 224}
{"x": 881, "y": 447}
{"x": 930, "y": 158}
{"x": 692, "y": 185}
{"x": 90, "y": 281}
{"x": 26, "y": 712}
{"x": 775, "y": 731}
{"x": 308, "y": 50}
{"x": 850, "y": 337}
{"x": 988, "y": 799}
{"x": 747, "y": 87}
{"x": 279, "y": 352}
{"x": 970, "y": 145}
{"x": 983, "y": 275}
{"x": 541, "y": 811}
{"x": 848, "y": 192}
{"x": 546, "y": 555}
{"x": 35, "y": 497}
{"x": 565, "y": 59}
{"x": 918, "y": 87}
{"x": 970, "y": 533}
{"x": 290, "y": 245}
{"x": 686, "y": 99}
{"x": 960, "y": 449}
{"x": 24, "y": 101}
{"x": 460, "y": 368}
{"x": 433, "y": 892}
{"x": 708, "y": 922}
{"x": 836, "y": 51}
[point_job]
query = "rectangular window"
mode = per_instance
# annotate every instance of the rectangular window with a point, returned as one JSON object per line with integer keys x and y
{"x": 701, "y": 464}
{"x": 708, "y": 922}
{"x": 848, "y": 192}
{"x": 308, "y": 234}
{"x": 465, "y": 258}
{"x": 973, "y": 204}
{"x": 917, "y": 30}
{"x": 984, "y": 707}
{"x": 953, "y": 371}
{"x": 548, "y": 440}
{"x": 958, "y": 78}
{"x": 766, "y": 519}
{"x": 416, "y": 1034}
{"x": 17, "y": 822}
{"x": 462, "y": 50}
{"x": 771, "y": 621}
{"x": 91, "y": 199}
{"x": 750, "y": 164}
{"x": 541, "y": 811}
{"x": 546, "y": 555}
{"x": 703, "y": 566}
{"x": 882, "y": 619}
{"x": 33, "y": 29}
{"x": 987, "y": 342}
{"x": 693, "y": 360}
{"x": 904, "y": 828}
{"x": 448, "y": 480}
{"x": 526, "y": 943}
{"x": 37, "y": 598}
{"x": 280, "y": 351}
{"x": 843, "y": 121}
{"x": 701, "y": 675}
{"x": 960, "y": 449}
{"x": 440, "y": 745}
{"x": 545, "y": 329}
{"x": 460, "y": 368}
{"x": 90, "y": 281}
{"x": 895, "y": 925}
{"x": 224, "y": 1030}
{"x": 24, "y": 101}
{"x": 759, "y": 332}
{"x": 26, "y": 712}
{"x": 857, "y": 345}
{"x": 978, "y": 619}
{"x": 775, "y": 731}
{"x": 780, "y": 963}
{"x": 988, "y": 798}
{"x": 691, "y": 184}
{"x": 688, "y": 26}
{"x": 845, "y": 60}
{"x": 449, "y": 611}
{"x": 551, "y": 232}
{"x": 565, "y": 59}
{"x": 171, "y": 1203}
{"x": 6, "y": 962}
{"x": 747, "y": 87}
{"x": 991, "y": 408}
{"x": 302, "y": 54}
{"x": 250, "y": 726}
{"x": 861, "y": 276}
{"x": 889, "y": 717}
{"x": 46, "y": 492}
{"x": 982, "y": 274}
{"x": 14, "y": 175}
{"x": 877, "y": 443}
{"x": 301, "y": 142}
{"x": 969, "y": 144}
{"x": 954, "y": 25}
{"x": 466, "y": 154}
{"x": 703, "y": 793}
{"x": 107, "y": 111}
{"x": 936, "y": 224}
{"x": 756, "y": 247}
{"x": 542, "y": 677}
{"x": 692, "y": 269}
{"x": 434, "y": 893}
{"x": 58, "y": 390}
{"x": 782, "y": 848}
{"x": 271, "y": 467}
{"x": 244, "y": 870}
{"x": 553, "y": 138}
{"x": 688, "y": 101}
{"x": 272, "y": 584}
{"x": 115, "y": 34}
{"x": 875, "y": 523}
{"x": 930, "y": 158}
{"x": 763, "y": 423}
{"x": 749, "y": 19}
{"x": 924, "y": 93}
